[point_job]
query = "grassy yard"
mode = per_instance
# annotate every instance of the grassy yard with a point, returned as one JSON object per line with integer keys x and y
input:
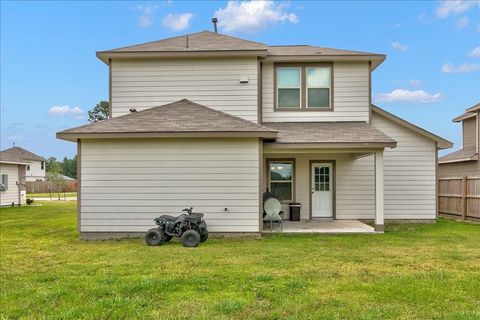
{"x": 410, "y": 272}
{"x": 54, "y": 195}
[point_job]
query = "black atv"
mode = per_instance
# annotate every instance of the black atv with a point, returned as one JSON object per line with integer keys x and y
{"x": 190, "y": 227}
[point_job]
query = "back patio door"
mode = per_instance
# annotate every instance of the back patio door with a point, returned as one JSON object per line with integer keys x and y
{"x": 322, "y": 190}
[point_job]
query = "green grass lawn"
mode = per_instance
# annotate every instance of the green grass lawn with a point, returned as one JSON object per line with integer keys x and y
{"x": 410, "y": 272}
{"x": 54, "y": 195}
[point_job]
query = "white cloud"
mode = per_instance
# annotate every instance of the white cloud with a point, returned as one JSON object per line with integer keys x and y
{"x": 66, "y": 111}
{"x": 475, "y": 53}
{"x": 14, "y": 137}
{"x": 424, "y": 18}
{"x": 461, "y": 23}
{"x": 177, "y": 22}
{"x": 398, "y": 46}
{"x": 463, "y": 68}
{"x": 147, "y": 12}
{"x": 415, "y": 82}
{"x": 456, "y": 7}
{"x": 252, "y": 16}
{"x": 402, "y": 95}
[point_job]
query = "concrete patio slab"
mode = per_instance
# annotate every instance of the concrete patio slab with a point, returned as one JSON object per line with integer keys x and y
{"x": 325, "y": 227}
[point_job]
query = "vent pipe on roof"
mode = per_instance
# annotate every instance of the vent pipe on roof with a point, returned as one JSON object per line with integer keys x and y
{"x": 215, "y": 20}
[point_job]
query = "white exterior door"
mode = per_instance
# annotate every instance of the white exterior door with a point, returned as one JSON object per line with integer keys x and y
{"x": 322, "y": 190}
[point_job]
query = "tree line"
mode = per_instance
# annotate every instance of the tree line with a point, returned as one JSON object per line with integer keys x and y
{"x": 68, "y": 167}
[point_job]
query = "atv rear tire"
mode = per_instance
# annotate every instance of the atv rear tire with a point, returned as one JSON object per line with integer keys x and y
{"x": 204, "y": 236}
{"x": 190, "y": 238}
{"x": 153, "y": 237}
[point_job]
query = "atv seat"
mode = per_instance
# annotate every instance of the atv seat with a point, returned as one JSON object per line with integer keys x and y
{"x": 169, "y": 218}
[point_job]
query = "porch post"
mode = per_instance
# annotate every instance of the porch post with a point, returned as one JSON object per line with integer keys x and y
{"x": 379, "y": 215}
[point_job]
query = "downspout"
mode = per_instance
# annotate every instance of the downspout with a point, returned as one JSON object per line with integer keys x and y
{"x": 109, "y": 88}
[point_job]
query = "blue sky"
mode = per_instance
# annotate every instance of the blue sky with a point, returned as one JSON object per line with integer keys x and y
{"x": 50, "y": 76}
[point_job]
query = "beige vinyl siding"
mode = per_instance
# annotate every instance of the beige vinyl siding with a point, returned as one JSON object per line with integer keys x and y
{"x": 409, "y": 171}
{"x": 469, "y": 133}
{"x": 350, "y": 95}
{"x": 127, "y": 183}
{"x": 11, "y": 195}
{"x": 459, "y": 169}
{"x": 355, "y": 187}
{"x": 214, "y": 83}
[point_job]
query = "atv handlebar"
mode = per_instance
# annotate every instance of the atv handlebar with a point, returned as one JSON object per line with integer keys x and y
{"x": 188, "y": 210}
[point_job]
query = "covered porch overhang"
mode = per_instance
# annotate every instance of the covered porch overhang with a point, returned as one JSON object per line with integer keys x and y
{"x": 356, "y": 184}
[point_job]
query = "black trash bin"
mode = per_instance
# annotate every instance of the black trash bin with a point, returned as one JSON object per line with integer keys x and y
{"x": 295, "y": 211}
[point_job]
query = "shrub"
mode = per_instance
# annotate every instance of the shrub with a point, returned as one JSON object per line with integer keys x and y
{"x": 29, "y": 201}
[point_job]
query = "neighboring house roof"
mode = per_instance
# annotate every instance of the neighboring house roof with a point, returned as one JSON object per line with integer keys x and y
{"x": 465, "y": 116}
{"x": 469, "y": 113}
{"x": 441, "y": 143}
{"x": 465, "y": 154}
{"x": 20, "y": 155}
{"x": 183, "y": 118}
{"x": 459, "y": 156}
{"x": 60, "y": 176}
{"x": 333, "y": 134}
{"x": 206, "y": 43}
{"x": 474, "y": 108}
{"x": 12, "y": 159}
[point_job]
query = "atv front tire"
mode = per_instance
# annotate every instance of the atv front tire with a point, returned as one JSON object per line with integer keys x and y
{"x": 204, "y": 236}
{"x": 190, "y": 238}
{"x": 153, "y": 237}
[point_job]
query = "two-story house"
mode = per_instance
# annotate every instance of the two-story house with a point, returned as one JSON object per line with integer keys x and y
{"x": 36, "y": 167}
{"x": 464, "y": 162}
{"x": 12, "y": 183}
{"x": 212, "y": 121}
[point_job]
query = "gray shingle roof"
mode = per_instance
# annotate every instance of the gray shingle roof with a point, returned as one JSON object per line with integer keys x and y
{"x": 474, "y": 108}
{"x": 199, "y": 41}
{"x": 469, "y": 113}
{"x": 206, "y": 43}
{"x": 183, "y": 116}
{"x": 462, "y": 154}
{"x": 329, "y": 132}
{"x": 306, "y": 50}
{"x": 17, "y": 154}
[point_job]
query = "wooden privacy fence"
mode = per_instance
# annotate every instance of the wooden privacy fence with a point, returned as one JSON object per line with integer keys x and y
{"x": 49, "y": 186}
{"x": 459, "y": 196}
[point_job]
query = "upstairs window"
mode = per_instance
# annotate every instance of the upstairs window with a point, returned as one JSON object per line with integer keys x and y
{"x": 289, "y": 87}
{"x": 305, "y": 87}
{"x": 28, "y": 168}
{"x": 318, "y": 87}
{"x": 43, "y": 165}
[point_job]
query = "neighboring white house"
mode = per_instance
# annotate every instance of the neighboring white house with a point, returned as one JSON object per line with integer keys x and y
{"x": 36, "y": 168}
{"x": 212, "y": 121}
{"x": 12, "y": 184}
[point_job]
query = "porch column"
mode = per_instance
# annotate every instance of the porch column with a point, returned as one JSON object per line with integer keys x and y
{"x": 379, "y": 216}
